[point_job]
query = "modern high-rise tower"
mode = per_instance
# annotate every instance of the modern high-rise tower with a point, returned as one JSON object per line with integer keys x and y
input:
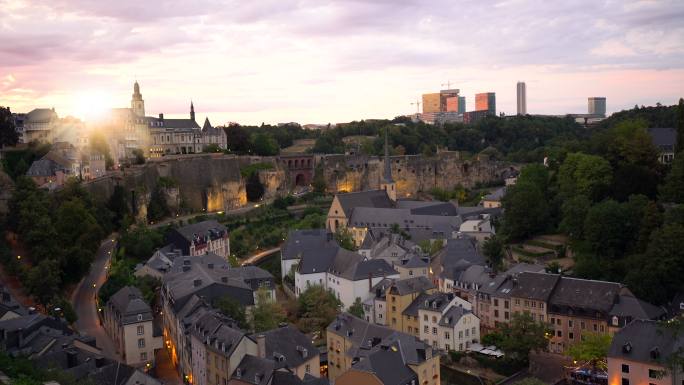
{"x": 597, "y": 106}
{"x": 486, "y": 102}
{"x": 522, "y": 98}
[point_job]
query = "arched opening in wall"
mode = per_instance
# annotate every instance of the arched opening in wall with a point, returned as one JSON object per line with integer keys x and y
{"x": 300, "y": 180}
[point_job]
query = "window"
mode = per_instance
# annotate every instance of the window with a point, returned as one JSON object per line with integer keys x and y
{"x": 434, "y": 331}
{"x": 553, "y": 320}
{"x": 447, "y": 335}
{"x": 394, "y": 321}
{"x": 571, "y": 336}
{"x": 527, "y": 303}
{"x": 652, "y": 373}
{"x": 467, "y": 332}
{"x": 460, "y": 346}
{"x": 506, "y": 304}
{"x": 447, "y": 347}
{"x": 541, "y": 317}
{"x": 506, "y": 315}
{"x": 496, "y": 302}
{"x": 517, "y": 302}
{"x": 558, "y": 321}
{"x": 307, "y": 368}
{"x": 473, "y": 332}
{"x": 434, "y": 319}
{"x": 541, "y": 305}
{"x": 426, "y": 329}
{"x": 603, "y": 328}
{"x": 559, "y": 333}
{"x": 141, "y": 330}
{"x": 534, "y": 303}
{"x": 625, "y": 368}
{"x": 143, "y": 356}
{"x": 496, "y": 313}
{"x": 625, "y": 381}
{"x": 569, "y": 323}
{"x": 583, "y": 325}
{"x": 141, "y": 342}
{"x": 595, "y": 327}
{"x": 139, "y": 317}
{"x": 394, "y": 308}
{"x": 460, "y": 334}
{"x": 425, "y": 317}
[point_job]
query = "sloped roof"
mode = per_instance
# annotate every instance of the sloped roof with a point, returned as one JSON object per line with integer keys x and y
{"x": 585, "y": 293}
{"x": 537, "y": 286}
{"x": 495, "y": 195}
{"x": 41, "y": 115}
{"x": 294, "y": 345}
{"x": 663, "y": 137}
{"x": 199, "y": 228}
{"x": 411, "y": 285}
{"x": 45, "y": 167}
{"x": 461, "y": 251}
{"x": 254, "y": 370}
{"x": 128, "y": 301}
{"x": 388, "y": 366}
{"x": 452, "y": 316}
{"x": 370, "y": 198}
{"x": 301, "y": 242}
{"x": 352, "y": 266}
{"x": 645, "y": 341}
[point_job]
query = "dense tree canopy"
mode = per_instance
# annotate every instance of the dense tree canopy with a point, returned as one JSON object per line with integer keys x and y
{"x": 8, "y": 133}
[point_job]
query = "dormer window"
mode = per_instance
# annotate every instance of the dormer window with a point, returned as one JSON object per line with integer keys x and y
{"x": 140, "y": 317}
{"x": 627, "y": 348}
{"x": 616, "y": 320}
{"x": 655, "y": 353}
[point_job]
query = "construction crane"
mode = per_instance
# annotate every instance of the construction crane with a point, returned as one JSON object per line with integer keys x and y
{"x": 417, "y": 103}
{"x": 448, "y": 84}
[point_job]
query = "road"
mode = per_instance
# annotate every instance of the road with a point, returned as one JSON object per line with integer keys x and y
{"x": 256, "y": 257}
{"x": 238, "y": 211}
{"x": 83, "y": 299}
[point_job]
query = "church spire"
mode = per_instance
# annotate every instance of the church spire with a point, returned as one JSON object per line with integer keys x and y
{"x": 388, "y": 166}
{"x": 192, "y": 111}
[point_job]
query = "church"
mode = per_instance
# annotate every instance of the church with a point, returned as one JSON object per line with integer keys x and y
{"x": 159, "y": 136}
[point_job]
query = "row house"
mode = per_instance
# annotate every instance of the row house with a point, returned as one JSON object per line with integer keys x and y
{"x": 363, "y": 353}
{"x": 570, "y": 306}
{"x": 447, "y": 322}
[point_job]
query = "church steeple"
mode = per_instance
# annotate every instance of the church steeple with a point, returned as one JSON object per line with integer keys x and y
{"x": 137, "y": 102}
{"x": 192, "y": 111}
{"x": 387, "y": 183}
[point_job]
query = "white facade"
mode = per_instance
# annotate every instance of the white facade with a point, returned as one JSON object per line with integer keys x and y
{"x": 304, "y": 281}
{"x": 458, "y": 336}
{"x": 347, "y": 290}
{"x": 219, "y": 246}
{"x": 286, "y": 266}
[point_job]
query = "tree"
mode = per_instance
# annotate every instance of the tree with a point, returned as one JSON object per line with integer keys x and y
{"x": 679, "y": 147}
{"x": 492, "y": 248}
{"x": 140, "y": 242}
{"x": 356, "y": 308}
{"x": 265, "y": 145}
{"x": 237, "y": 139}
{"x": 672, "y": 190}
{"x": 523, "y": 335}
{"x": 574, "y": 212}
{"x": 661, "y": 268}
{"x": 536, "y": 174}
{"x": 8, "y": 132}
{"x": 267, "y": 313}
{"x": 118, "y": 205}
{"x": 232, "y": 309}
{"x": 212, "y": 147}
{"x": 319, "y": 183}
{"x": 493, "y": 338}
{"x": 317, "y": 308}
{"x": 138, "y": 156}
{"x": 157, "y": 208}
{"x": 592, "y": 349}
{"x": 582, "y": 174}
{"x": 43, "y": 282}
{"x": 98, "y": 142}
{"x": 526, "y": 211}
{"x": 254, "y": 188}
{"x": 609, "y": 228}
{"x": 345, "y": 239}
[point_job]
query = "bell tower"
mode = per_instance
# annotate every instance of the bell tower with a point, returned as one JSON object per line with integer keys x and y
{"x": 192, "y": 111}
{"x": 137, "y": 102}
{"x": 387, "y": 182}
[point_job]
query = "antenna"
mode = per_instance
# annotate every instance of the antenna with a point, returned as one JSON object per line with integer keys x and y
{"x": 448, "y": 84}
{"x": 417, "y": 103}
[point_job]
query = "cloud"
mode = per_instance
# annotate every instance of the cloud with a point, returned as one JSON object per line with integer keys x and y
{"x": 270, "y": 59}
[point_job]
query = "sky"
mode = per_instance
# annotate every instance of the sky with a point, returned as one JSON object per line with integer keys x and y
{"x": 318, "y": 61}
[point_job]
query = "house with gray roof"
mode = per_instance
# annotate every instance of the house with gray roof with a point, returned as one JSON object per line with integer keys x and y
{"x": 363, "y": 353}
{"x": 305, "y": 244}
{"x": 447, "y": 322}
{"x": 665, "y": 139}
{"x": 201, "y": 238}
{"x": 493, "y": 199}
{"x": 129, "y": 322}
{"x": 642, "y": 352}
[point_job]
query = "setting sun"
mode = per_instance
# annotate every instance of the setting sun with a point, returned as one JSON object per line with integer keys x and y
{"x": 92, "y": 105}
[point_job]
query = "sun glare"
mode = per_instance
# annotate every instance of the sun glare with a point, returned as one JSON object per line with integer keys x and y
{"x": 92, "y": 105}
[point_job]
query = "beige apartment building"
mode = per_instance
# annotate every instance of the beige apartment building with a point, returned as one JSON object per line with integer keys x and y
{"x": 128, "y": 320}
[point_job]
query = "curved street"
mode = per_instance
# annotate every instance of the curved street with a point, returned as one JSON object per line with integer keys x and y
{"x": 85, "y": 305}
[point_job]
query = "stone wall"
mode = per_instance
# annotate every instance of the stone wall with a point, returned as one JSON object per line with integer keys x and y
{"x": 412, "y": 173}
{"x": 213, "y": 181}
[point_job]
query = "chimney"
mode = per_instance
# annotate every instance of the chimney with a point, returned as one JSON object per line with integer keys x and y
{"x": 261, "y": 346}
{"x": 71, "y": 359}
{"x": 161, "y": 116}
